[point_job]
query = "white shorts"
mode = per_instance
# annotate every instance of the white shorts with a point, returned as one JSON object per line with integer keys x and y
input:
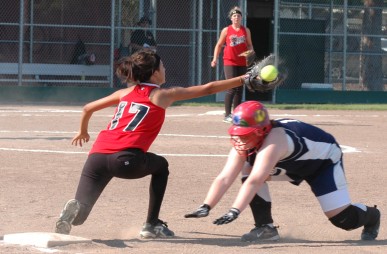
{"x": 329, "y": 186}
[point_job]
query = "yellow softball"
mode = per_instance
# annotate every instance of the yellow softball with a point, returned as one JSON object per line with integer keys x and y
{"x": 269, "y": 73}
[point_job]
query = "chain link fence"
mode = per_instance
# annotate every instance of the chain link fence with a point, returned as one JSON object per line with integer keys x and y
{"x": 331, "y": 44}
{"x": 339, "y": 45}
{"x": 76, "y": 42}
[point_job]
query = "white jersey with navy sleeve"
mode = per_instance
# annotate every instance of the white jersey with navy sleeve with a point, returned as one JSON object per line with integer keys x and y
{"x": 314, "y": 156}
{"x": 312, "y": 150}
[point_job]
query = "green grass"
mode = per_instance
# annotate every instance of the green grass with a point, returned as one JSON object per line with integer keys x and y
{"x": 329, "y": 106}
{"x": 378, "y": 107}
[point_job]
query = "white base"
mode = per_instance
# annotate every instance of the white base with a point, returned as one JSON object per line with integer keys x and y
{"x": 43, "y": 239}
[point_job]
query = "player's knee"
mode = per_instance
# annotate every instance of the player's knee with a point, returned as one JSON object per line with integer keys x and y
{"x": 354, "y": 216}
{"x": 163, "y": 166}
{"x": 347, "y": 219}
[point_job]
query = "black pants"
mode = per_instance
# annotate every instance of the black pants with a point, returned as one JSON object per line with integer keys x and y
{"x": 261, "y": 209}
{"x": 233, "y": 96}
{"x": 99, "y": 169}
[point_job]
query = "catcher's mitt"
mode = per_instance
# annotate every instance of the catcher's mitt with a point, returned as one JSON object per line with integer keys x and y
{"x": 250, "y": 57}
{"x": 254, "y": 82}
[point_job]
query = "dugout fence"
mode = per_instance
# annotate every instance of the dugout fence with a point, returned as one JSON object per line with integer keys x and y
{"x": 329, "y": 45}
{"x": 67, "y": 32}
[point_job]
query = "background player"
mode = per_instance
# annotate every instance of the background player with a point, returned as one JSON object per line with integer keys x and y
{"x": 237, "y": 39}
{"x": 284, "y": 149}
{"x": 143, "y": 38}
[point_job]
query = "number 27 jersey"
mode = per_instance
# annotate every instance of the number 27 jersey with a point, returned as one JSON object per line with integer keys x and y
{"x": 135, "y": 124}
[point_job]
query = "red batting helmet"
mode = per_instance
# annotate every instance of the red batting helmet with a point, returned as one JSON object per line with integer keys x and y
{"x": 250, "y": 117}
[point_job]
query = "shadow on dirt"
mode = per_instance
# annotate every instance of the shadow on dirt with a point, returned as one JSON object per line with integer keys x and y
{"x": 36, "y": 138}
{"x": 231, "y": 240}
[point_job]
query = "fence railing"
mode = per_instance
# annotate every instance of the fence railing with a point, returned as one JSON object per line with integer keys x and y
{"x": 341, "y": 45}
{"x": 333, "y": 43}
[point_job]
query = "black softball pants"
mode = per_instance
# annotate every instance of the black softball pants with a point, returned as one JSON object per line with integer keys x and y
{"x": 99, "y": 169}
{"x": 233, "y": 96}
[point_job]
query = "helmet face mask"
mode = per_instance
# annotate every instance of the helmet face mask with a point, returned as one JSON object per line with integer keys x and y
{"x": 251, "y": 124}
{"x": 247, "y": 144}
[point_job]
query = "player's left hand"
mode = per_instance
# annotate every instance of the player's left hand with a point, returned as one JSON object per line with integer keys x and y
{"x": 228, "y": 217}
{"x": 250, "y": 57}
{"x": 80, "y": 138}
{"x": 202, "y": 211}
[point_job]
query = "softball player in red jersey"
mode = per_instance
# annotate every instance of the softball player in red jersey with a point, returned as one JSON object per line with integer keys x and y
{"x": 236, "y": 39}
{"x": 121, "y": 150}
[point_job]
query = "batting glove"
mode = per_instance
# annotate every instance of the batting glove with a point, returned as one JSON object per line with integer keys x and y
{"x": 202, "y": 211}
{"x": 228, "y": 217}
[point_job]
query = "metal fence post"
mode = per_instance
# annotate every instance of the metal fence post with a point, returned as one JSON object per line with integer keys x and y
{"x": 21, "y": 39}
{"x": 275, "y": 40}
{"x": 112, "y": 29}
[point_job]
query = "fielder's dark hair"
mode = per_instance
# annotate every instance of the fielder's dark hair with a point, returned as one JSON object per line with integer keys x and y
{"x": 144, "y": 20}
{"x": 234, "y": 10}
{"x": 138, "y": 67}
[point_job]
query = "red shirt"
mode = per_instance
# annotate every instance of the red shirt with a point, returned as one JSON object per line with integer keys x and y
{"x": 236, "y": 43}
{"x": 135, "y": 124}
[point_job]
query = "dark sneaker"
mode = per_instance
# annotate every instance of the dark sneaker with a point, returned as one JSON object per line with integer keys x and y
{"x": 228, "y": 119}
{"x": 262, "y": 233}
{"x": 159, "y": 230}
{"x": 370, "y": 232}
{"x": 67, "y": 216}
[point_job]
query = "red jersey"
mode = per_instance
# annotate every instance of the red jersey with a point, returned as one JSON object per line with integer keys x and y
{"x": 135, "y": 124}
{"x": 236, "y": 43}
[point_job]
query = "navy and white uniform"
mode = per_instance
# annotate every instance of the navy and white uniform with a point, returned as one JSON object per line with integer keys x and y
{"x": 314, "y": 156}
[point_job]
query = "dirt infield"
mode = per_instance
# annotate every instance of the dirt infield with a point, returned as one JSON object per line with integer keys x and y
{"x": 40, "y": 171}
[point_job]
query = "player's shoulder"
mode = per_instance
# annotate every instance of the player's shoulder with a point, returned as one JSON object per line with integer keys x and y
{"x": 225, "y": 30}
{"x": 276, "y": 132}
{"x": 124, "y": 91}
{"x": 277, "y": 141}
